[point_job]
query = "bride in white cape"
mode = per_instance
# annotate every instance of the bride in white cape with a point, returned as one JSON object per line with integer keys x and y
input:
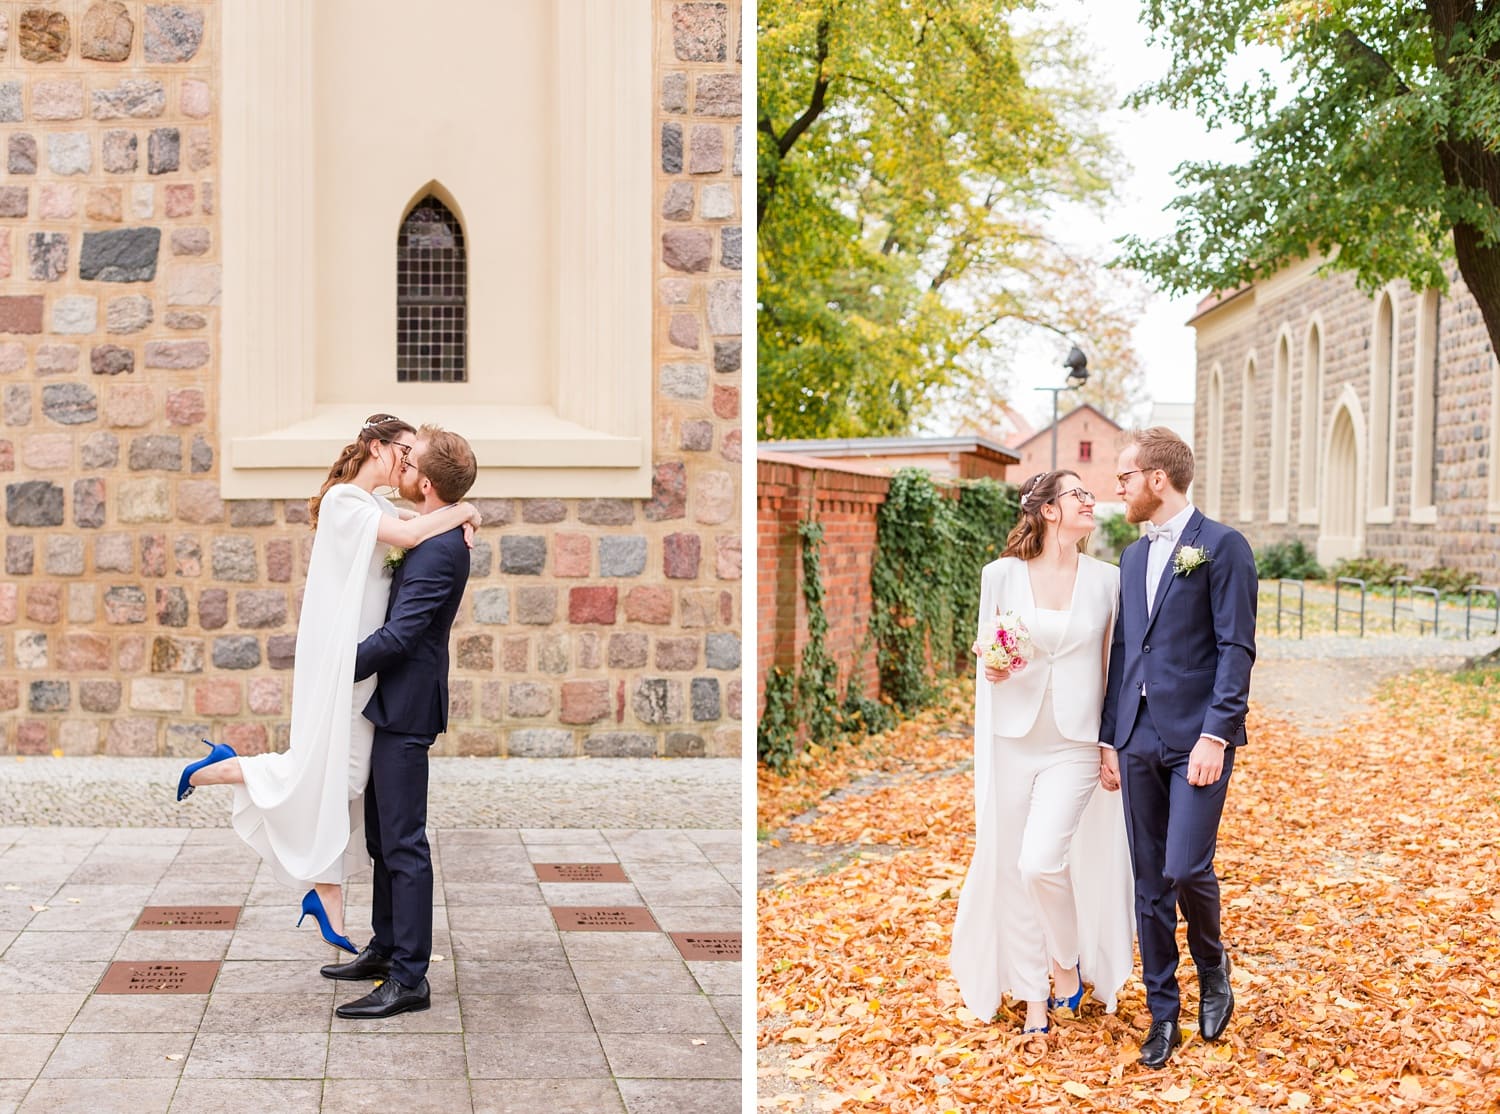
{"x": 302, "y": 809}
{"x": 1047, "y": 904}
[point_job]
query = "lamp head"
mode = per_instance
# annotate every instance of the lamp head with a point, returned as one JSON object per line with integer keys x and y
{"x": 1078, "y": 367}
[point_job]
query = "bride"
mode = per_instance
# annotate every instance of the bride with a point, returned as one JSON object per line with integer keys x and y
{"x": 303, "y": 809}
{"x": 1047, "y": 902}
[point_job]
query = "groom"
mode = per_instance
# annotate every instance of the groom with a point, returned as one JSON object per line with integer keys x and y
{"x": 1174, "y": 712}
{"x": 409, "y": 709}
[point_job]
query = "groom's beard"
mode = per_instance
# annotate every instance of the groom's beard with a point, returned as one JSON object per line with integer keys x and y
{"x": 1141, "y": 508}
{"x": 409, "y": 484}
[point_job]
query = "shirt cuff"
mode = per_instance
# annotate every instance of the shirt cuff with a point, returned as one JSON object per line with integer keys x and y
{"x": 1106, "y": 746}
{"x": 1215, "y": 738}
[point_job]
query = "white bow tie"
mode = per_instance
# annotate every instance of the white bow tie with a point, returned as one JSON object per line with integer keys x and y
{"x": 1155, "y": 533}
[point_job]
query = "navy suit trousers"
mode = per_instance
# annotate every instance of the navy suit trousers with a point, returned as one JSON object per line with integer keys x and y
{"x": 1173, "y": 829}
{"x": 396, "y": 836}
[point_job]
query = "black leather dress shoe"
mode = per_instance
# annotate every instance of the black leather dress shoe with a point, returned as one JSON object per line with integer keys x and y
{"x": 1161, "y": 1039}
{"x": 366, "y": 965}
{"x": 1215, "y": 1000}
{"x": 390, "y": 997}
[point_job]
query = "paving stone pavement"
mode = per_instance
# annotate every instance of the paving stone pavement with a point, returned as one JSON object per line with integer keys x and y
{"x": 525, "y": 1016}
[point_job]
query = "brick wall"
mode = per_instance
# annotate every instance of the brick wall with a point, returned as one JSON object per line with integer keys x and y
{"x": 140, "y": 611}
{"x": 1465, "y": 535}
{"x": 845, "y": 499}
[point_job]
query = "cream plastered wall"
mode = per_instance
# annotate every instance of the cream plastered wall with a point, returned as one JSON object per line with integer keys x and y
{"x": 544, "y": 145}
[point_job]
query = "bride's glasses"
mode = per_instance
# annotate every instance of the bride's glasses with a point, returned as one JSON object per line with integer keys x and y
{"x": 404, "y": 450}
{"x": 1087, "y": 498}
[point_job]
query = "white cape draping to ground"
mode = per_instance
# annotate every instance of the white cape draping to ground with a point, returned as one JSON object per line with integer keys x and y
{"x": 1103, "y": 889}
{"x": 303, "y": 809}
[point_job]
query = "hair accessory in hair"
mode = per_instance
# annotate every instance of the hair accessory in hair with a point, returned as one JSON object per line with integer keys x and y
{"x": 1029, "y": 496}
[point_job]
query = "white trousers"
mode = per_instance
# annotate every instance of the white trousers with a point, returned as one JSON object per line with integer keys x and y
{"x": 1018, "y": 909}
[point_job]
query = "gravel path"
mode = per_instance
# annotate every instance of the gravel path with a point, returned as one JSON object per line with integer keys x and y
{"x": 464, "y": 793}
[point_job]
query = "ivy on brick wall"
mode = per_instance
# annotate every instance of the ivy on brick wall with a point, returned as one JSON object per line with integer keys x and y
{"x": 932, "y": 544}
{"x": 806, "y": 704}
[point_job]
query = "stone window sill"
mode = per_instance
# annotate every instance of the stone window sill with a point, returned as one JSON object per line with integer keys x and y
{"x": 521, "y": 450}
{"x": 1380, "y": 516}
{"x": 1424, "y": 516}
{"x": 1309, "y": 517}
{"x": 1277, "y": 517}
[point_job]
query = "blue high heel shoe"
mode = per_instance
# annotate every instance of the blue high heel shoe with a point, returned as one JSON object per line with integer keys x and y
{"x": 217, "y": 753}
{"x": 313, "y": 904}
{"x": 1074, "y": 1000}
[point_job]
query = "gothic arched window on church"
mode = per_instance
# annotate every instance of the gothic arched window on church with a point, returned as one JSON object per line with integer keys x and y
{"x": 1424, "y": 408}
{"x": 1383, "y": 408}
{"x": 1311, "y": 434}
{"x": 1281, "y": 427}
{"x": 431, "y": 296}
{"x": 1247, "y": 442}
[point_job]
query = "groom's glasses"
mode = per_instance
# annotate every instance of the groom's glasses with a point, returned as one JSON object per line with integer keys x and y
{"x": 1087, "y": 498}
{"x": 404, "y": 450}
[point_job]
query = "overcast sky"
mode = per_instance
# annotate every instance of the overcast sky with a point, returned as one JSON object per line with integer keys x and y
{"x": 1153, "y": 141}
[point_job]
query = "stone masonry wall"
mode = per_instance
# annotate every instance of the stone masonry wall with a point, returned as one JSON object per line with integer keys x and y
{"x": 1463, "y": 536}
{"x": 139, "y": 611}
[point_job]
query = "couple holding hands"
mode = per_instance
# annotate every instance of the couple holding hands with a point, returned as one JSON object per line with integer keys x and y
{"x": 1117, "y": 738}
{"x": 369, "y": 696}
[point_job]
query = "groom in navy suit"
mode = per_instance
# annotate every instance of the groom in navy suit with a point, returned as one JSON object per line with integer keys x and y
{"x": 1174, "y": 712}
{"x": 409, "y": 709}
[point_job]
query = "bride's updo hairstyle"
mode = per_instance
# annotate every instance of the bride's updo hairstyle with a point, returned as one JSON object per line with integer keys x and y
{"x": 1029, "y": 535}
{"x": 377, "y": 427}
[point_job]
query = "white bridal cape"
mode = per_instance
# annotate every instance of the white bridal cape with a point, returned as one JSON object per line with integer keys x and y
{"x": 303, "y": 809}
{"x": 982, "y": 957}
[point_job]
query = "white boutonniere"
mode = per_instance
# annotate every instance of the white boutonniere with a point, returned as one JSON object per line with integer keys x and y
{"x": 1188, "y": 558}
{"x": 394, "y": 558}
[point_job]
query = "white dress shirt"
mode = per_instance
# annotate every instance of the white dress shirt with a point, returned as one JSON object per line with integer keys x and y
{"x": 1161, "y": 551}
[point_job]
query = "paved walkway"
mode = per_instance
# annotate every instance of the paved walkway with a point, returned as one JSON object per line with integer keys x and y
{"x": 526, "y": 1016}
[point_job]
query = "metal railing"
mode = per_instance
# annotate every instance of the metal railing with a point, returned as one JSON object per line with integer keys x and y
{"x": 1413, "y": 590}
{"x": 1338, "y": 603}
{"x": 1281, "y": 609}
{"x": 1481, "y": 590}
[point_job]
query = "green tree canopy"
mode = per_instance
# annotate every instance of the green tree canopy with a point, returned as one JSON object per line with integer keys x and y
{"x": 907, "y": 155}
{"x": 1383, "y": 153}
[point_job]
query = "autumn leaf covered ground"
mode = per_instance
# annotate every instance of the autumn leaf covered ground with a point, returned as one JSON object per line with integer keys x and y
{"x": 1359, "y": 878}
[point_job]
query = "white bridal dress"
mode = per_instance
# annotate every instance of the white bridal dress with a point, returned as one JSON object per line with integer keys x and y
{"x": 303, "y": 809}
{"x": 995, "y": 910}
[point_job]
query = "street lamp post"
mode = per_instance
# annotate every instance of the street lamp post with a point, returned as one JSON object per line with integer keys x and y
{"x": 1078, "y": 373}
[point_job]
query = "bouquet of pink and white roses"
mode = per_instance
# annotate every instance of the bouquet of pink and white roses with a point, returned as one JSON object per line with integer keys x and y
{"x": 1010, "y": 647}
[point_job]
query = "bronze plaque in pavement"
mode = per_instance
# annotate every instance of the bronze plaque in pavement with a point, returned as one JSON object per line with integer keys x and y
{"x": 707, "y": 945}
{"x": 189, "y": 916}
{"x": 194, "y": 976}
{"x": 600, "y": 918}
{"x": 580, "y": 872}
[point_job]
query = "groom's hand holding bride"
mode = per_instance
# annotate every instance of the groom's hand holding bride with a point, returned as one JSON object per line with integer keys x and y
{"x": 1109, "y": 769}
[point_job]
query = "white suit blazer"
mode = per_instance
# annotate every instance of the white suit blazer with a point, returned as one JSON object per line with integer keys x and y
{"x": 1077, "y": 670}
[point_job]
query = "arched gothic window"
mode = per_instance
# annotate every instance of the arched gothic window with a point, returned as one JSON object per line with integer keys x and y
{"x": 431, "y": 296}
{"x": 1214, "y": 485}
{"x": 1383, "y": 406}
{"x": 1424, "y": 407}
{"x": 1311, "y": 432}
{"x": 1281, "y": 427}
{"x": 1248, "y": 469}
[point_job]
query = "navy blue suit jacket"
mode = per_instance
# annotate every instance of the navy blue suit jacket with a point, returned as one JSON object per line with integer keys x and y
{"x": 1195, "y": 649}
{"x": 410, "y": 652}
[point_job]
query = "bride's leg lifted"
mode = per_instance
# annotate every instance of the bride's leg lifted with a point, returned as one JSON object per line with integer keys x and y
{"x": 227, "y": 772}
